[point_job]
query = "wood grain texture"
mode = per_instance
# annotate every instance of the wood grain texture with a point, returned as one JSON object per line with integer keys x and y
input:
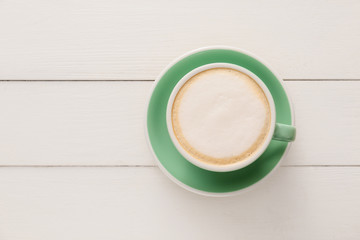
{"x": 102, "y": 123}
{"x": 140, "y": 203}
{"x": 111, "y": 39}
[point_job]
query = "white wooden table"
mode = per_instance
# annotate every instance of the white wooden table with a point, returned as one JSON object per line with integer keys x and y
{"x": 75, "y": 76}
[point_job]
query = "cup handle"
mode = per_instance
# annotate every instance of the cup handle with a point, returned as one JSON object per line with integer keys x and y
{"x": 283, "y": 132}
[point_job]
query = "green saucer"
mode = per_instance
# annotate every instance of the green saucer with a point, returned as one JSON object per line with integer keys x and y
{"x": 174, "y": 165}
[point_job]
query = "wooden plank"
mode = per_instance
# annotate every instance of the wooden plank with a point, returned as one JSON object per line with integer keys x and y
{"x": 327, "y": 119}
{"x": 102, "y": 123}
{"x": 81, "y": 39}
{"x": 140, "y": 203}
{"x": 71, "y": 123}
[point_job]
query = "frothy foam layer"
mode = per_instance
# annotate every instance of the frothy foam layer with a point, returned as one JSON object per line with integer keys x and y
{"x": 221, "y": 116}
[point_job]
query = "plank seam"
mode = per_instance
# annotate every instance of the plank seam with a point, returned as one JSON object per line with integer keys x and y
{"x": 151, "y": 80}
{"x": 151, "y": 166}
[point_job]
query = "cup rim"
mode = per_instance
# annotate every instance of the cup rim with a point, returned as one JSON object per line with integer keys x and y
{"x": 228, "y": 167}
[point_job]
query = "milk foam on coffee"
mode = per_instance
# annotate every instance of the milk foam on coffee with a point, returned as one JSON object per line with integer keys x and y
{"x": 221, "y": 116}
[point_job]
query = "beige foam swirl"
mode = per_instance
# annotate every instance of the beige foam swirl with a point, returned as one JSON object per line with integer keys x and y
{"x": 255, "y": 89}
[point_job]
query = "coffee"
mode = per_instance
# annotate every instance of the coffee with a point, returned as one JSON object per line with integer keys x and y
{"x": 221, "y": 116}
